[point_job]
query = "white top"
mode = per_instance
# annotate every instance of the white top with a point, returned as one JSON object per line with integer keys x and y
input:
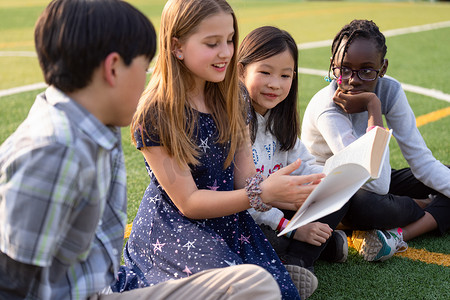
{"x": 326, "y": 129}
{"x": 268, "y": 158}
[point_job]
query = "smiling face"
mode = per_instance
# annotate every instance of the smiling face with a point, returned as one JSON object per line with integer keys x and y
{"x": 361, "y": 54}
{"x": 208, "y": 51}
{"x": 269, "y": 81}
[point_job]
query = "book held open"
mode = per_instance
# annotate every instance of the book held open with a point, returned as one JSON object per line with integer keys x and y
{"x": 346, "y": 172}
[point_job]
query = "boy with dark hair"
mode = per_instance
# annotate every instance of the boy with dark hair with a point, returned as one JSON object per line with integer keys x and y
{"x": 62, "y": 173}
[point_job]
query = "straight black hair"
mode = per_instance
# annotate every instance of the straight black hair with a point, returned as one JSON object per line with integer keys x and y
{"x": 72, "y": 38}
{"x": 283, "y": 122}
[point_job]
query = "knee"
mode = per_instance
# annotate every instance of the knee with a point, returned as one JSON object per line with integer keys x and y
{"x": 258, "y": 279}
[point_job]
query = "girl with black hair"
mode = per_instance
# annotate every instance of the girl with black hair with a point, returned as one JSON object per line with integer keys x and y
{"x": 267, "y": 65}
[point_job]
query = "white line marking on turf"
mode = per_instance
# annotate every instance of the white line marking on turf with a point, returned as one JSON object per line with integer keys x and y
{"x": 407, "y": 87}
{"x": 18, "y": 53}
{"x": 387, "y": 33}
{"x": 21, "y": 89}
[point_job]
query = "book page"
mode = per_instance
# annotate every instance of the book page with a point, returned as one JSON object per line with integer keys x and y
{"x": 368, "y": 151}
{"x": 330, "y": 195}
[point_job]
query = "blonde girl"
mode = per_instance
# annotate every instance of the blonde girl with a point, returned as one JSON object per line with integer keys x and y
{"x": 190, "y": 127}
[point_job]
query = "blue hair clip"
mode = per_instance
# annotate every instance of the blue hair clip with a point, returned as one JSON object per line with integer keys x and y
{"x": 327, "y": 78}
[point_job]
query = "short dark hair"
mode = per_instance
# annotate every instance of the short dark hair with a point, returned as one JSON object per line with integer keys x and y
{"x": 260, "y": 44}
{"x": 72, "y": 38}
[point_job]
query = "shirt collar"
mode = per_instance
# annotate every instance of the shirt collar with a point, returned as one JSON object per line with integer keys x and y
{"x": 106, "y": 136}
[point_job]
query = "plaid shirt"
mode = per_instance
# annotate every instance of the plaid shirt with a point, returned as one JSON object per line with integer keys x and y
{"x": 63, "y": 198}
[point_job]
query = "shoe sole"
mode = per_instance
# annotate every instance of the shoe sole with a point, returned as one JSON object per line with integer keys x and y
{"x": 304, "y": 280}
{"x": 367, "y": 243}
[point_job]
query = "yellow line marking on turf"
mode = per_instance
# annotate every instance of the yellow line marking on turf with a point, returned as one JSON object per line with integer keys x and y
{"x": 127, "y": 230}
{"x": 432, "y": 116}
{"x": 426, "y": 256}
{"x": 419, "y": 254}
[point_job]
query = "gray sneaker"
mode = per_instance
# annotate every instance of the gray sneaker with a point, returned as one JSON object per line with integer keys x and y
{"x": 304, "y": 280}
{"x": 337, "y": 248}
{"x": 341, "y": 246}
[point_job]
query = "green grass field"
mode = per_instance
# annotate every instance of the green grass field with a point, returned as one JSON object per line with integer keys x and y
{"x": 421, "y": 59}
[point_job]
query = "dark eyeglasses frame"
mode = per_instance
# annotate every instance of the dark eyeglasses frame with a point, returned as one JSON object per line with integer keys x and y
{"x": 357, "y": 73}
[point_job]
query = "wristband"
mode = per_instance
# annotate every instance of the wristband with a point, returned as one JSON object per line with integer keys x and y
{"x": 291, "y": 234}
{"x": 254, "y": 193}
{"x": 282, "y": 224}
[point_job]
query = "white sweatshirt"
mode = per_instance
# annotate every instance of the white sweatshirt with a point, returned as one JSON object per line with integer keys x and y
{"x": 326, "y": 129}
{"x": 268, "y": 158}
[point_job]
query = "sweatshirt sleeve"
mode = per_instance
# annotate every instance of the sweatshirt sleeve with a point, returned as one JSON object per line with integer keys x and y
{"x": 271, "y": 217}
{"x": 309, "y": 165}
{"x": 423, "y": 164}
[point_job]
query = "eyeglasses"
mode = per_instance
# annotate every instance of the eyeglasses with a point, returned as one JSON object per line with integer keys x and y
{"x": 363, "y": 74}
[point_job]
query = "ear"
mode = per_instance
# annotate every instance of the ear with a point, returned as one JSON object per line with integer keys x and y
{"x": 110, "y": 68}
{"x": 384, "y": 69}
{"x": 177, "y": 48}
{"x": 241, "y": 71}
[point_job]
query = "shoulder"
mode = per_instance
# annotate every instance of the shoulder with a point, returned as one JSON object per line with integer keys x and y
{"x": 323, "y": 98}
{"x": 390, "y": 91}
{"x": 388, "y": 86}
{"x": 44, "y": 126}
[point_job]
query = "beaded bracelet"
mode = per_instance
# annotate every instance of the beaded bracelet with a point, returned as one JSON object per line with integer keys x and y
{"x": 253, "y": 193}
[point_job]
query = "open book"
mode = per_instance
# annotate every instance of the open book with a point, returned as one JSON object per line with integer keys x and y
{"x": 346, "y": 172}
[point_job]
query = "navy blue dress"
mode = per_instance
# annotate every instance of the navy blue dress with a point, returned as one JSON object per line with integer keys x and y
{"x": 165, "y": 245}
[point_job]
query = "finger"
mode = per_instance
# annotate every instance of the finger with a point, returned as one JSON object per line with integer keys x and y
{"x": 308, "y": 179}
{"x": 315, "y": 243}
{"x": 290, "y": 168}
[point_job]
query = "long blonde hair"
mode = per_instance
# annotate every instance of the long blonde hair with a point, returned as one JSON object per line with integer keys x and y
{"x": 163, "y": 107}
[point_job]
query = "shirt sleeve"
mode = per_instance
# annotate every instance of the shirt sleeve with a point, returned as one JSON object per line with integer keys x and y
{"x": 308, "y": 165}
{"x": 336, "y": 128}
{"x": 39, "y": 192}
{"x": 146, "y": 138}
{"x": 423, "y": 164}
{"x": 271, "y": 217}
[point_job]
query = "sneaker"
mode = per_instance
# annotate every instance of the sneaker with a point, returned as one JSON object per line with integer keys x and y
{"x": 304, "y": 280}
{"x": 379, "y": 245}
{"x": 337, "y": 248}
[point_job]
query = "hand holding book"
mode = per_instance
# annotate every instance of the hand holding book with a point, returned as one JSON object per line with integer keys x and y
{"x": 346, "y": 172}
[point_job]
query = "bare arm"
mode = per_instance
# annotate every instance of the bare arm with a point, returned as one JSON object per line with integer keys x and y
{"x": 177, "y": 181}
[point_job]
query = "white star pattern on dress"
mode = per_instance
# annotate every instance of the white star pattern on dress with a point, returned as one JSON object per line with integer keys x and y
{"x": 158, "y": 246}
{"x": 233, "y": 263}
{"x": 154, "y": 199}
{"x": 204, "y": 144}
{"x": 189, "y": 245}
